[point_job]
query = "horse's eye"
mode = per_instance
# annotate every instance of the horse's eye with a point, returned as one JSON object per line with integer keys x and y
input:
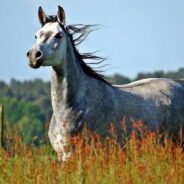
{"x": 58, "y": 36}
{"x": 35, "y": 37}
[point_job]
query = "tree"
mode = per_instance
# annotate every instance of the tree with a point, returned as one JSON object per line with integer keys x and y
{"x": 26, "y": 117}
{"x": 119, "y": 79}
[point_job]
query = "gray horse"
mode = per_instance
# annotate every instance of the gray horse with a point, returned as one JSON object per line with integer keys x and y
{"x": 81, "y": 95}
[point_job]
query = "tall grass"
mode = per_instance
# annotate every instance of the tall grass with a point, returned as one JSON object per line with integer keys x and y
{"x": 96, "y": 161}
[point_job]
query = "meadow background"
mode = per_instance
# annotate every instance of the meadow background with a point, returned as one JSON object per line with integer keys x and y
{"x": 95, "y": 161}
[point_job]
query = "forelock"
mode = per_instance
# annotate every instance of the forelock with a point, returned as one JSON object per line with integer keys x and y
{"x": 51, "y": 27}
{"x": 51, "y": 18}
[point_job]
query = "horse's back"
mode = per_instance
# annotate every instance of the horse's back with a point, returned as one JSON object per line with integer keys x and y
{"x": 153, "y": 86}
{"x": 153, "y": 81}
{"x": 156, "y": 101}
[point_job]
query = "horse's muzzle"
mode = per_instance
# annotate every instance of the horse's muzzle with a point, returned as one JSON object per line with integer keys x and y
{"x": 35, "y": 58}
{"x": 36, "y": 64}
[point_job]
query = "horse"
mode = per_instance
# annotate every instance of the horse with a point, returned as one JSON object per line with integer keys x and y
{"x": 82, "y": 96}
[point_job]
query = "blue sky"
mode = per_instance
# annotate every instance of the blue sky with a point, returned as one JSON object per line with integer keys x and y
{"x": 135, "y": 35}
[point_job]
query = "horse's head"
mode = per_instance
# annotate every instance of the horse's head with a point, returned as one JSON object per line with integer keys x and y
{"x": 51, "y": 40}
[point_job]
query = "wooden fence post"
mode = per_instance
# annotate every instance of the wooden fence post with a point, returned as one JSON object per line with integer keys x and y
{"x": 1, "y": 125}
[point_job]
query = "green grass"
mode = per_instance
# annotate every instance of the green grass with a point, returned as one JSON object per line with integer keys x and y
{"x": 141, "y": 161}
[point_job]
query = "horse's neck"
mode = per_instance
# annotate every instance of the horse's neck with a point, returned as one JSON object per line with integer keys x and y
{"x": 70, "y": 87}
{"x": 66, "y": 80}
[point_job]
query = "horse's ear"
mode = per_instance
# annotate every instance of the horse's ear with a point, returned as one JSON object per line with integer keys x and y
{"x": 42, "y": 16}
{"x": 61, "y": 15}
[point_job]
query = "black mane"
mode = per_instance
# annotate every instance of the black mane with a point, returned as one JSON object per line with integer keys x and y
{"x": 77, "y": 34}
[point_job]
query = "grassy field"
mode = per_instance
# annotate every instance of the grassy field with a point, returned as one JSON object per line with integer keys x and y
{"x": 141, "y": 161}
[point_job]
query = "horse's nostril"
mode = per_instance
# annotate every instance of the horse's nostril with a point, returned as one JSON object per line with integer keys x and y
{"x": 28, "y": 54}
{"x": 38, "y": 54}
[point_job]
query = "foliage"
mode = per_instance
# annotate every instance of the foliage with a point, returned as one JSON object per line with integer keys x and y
{"x": 179, "y": 74}
{"x": 26, "y": 116}
{"x": 28, "y": 105}
{"x": 94, "y": 161}
{"x": 119, "y": 79}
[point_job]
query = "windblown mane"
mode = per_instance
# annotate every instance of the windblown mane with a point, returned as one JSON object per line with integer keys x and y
{"x": 77, "y": 34}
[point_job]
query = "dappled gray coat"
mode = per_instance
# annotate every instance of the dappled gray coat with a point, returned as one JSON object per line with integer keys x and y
{"x": 82, "y": 96}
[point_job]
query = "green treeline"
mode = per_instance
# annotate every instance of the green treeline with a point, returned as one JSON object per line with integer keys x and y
{"x": 27, "y": 107}
{"x": 28, "y": 104}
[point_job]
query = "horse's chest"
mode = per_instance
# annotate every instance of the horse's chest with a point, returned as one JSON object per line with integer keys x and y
{"x": 57, "y": 135}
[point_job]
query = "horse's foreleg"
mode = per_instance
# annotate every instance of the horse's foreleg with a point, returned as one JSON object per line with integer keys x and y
{"x": 59, "y": 140}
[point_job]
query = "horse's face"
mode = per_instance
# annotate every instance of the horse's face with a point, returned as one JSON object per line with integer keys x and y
{"x": 51, "y": 40}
